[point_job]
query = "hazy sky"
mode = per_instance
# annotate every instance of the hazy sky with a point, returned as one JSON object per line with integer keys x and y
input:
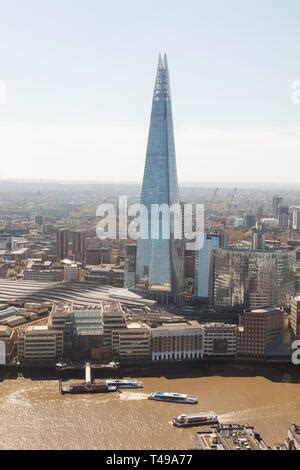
{"x": 80, "y": 75}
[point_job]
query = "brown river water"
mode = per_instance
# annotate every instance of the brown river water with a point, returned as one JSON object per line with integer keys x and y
{"x": 33, "y": 414}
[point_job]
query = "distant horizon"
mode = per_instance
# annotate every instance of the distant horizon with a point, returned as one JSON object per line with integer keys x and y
{"x": 219, "y": 184}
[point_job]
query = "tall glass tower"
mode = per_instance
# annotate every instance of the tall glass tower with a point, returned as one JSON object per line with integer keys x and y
{"x": 159, "y": 260}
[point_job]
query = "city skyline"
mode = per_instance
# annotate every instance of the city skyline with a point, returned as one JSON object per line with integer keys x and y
{"x": 149, "y": 265}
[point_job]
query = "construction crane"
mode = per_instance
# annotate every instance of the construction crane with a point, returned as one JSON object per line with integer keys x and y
{"x": 210, "y": 204}
{"x": 232, "y": 199}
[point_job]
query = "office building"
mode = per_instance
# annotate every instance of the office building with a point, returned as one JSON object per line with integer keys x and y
{"x": 257, "y": 329}
{"x": 71, "y": 272}
{"x": 93, "y": 256}
{"x": 296, "y": 218}
{"x": 109, "y": 275}
{"x": 5, "y": 241}
{"x": 87, "y": 331}
{"x": 219, "y": 339}
{"x": 203, "y": 263}
{"x": 258, "y": 236}
{"x": 113, "y": 319}
{"x": 132, "y": 343}
{"x": 105, "y": 255}
{"x": 40, "y": 344}
{"x": 129, "y": 266}
{"x": 7, "y": 344}
{"x": 178, "y": 341}
{"x": 38, "y": 219}
{"x": 62, "y": 243}
{"x": 43, "y": 275}
{"x": 189, "y": 264}
{"x": 61, "y": 319}
{"x": 276, "y": 201}
{"x": 77, "y": 238}
{"x": 47, "y": 229}
{"x": 249, "y": 221}
{"x": 159, "y": 260}
{"x": 251, "y": 279}
{"x": 283, "y": 216}
{"x": 70, "y": 244}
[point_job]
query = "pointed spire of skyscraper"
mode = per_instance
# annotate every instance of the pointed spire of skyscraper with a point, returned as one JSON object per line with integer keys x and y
{"x": 165, "y": 62}
{"x": 160, "y": 62}
{"x": 162, "y": 83}
{"x": 160, "y": 260}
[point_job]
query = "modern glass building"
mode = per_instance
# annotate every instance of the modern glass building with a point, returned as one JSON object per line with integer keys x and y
{"x": 159, "y": 260}
{"x": 211, "y": 241}
{"x": 250, "y": 278}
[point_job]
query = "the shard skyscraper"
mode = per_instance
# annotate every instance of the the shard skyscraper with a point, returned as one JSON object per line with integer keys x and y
{"x": 159, "y": 261}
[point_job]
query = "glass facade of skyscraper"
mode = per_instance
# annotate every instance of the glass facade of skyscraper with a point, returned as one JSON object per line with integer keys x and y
{"x": 202, "y": 264}
{"x": 160, "y": 260}
{"x": 251, "y": 279}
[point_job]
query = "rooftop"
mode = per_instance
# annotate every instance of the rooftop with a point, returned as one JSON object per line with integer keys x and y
{"x": 80, "y": 293}
{"x": 266, "y": 310}
{"x": 178, "y": 326}
{"x": 230, "y": 437}
{"x": 5, "y": 331}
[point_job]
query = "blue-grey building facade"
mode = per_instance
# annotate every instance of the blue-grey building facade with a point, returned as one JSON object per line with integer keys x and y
{"x": 203, "y": 263}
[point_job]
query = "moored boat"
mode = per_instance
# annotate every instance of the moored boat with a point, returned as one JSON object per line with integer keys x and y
{"x": 124, "y": 383}
{"x": 86, "y": 388}
{"x": 195, "y": 419}
{"x": 173, "y": 397}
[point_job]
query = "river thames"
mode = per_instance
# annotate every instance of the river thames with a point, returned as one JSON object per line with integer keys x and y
{"x": 34, "y": 415}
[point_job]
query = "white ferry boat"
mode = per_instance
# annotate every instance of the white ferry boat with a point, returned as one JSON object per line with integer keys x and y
{"x": 195, "y": 419}
{"x": 124, "y": 383}
{"x": 173, "y": 397}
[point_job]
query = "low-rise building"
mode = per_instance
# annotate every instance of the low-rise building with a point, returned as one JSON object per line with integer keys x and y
{"x": 257, "y": 329}
{"x": 71, "y": 272}
{"x": 61, "y": 319}
{"x": 44, "y": 275}
{"x": 40, "y": 344}
{"x": 7, "y": 343}
{"x": 132, "y": 343}
{"x": 93, "y": 256}
{"x": 177, "y": 341}
{"x": 8, "y": 312}
{"x": 15, "y": 320}
{"x": 87, "y": 330}
{"x": 219, "y": 339}
{"x": 112, "y": 275}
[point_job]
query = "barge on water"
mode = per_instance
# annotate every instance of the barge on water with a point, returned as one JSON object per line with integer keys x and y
{"x": 173, "y": 397}
{"x": 72, "y": 387}
{"x": 89, "y": 386}
{"x": 195, "y": 419}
